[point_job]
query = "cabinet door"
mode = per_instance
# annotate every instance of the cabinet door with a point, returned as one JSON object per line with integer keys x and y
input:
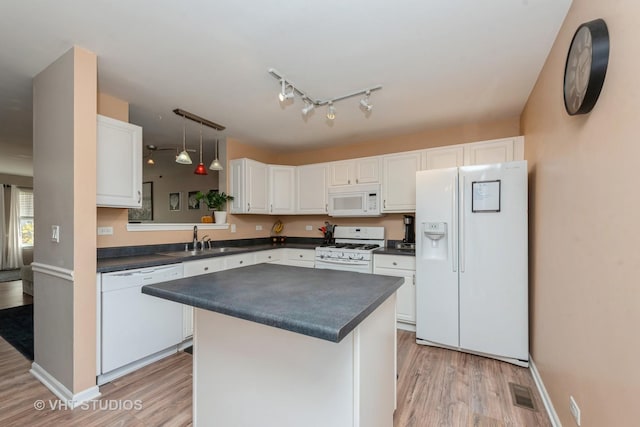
{"x": 236, "y": 186}
{"x": 406, "y": 294}
{"x": 257, "y": 187}
{"x": 119, "y": 164}
{"x": 203, "y": 266}
{"x": 445, "y": 157}
{"x": 399, "y": 182}
{"x": 281, "y": 189}
{"x": 187, "y": 322}
{"x": 311, "y": 189}
{"x": 367, "y": 170}
{"x": 239, "y": 260}
{"x": 488, "y": 152}
{"x": 341, "y": 173}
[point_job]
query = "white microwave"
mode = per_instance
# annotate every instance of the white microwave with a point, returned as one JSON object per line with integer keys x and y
{"x": 355, "y": 200}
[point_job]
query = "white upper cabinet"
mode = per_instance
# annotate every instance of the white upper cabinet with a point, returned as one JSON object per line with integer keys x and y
{"x": 494, "y": 151}
{"x": 443, "y": 157}
{"x": 399, "y": 181}
{"x": 311, "y": 189}
{"x": 249, "y": 185}
{"x": 282, "y": 189}
{"x": 118, "y": 164}
{"x": 357, "y": 171}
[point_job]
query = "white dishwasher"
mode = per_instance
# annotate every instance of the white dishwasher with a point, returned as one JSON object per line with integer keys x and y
{"x": 135, "y": 326}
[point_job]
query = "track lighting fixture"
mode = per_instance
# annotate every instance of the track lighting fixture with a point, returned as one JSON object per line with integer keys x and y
{"x": 308, "y": 107}
{"x": 365, "y": 104}
{"x": 183, "y": 158}
{"x": 200, "y": 169}
{"x": 216, "y": 165}
{"x": 288, "y": 91}
{"x": 331, "y": 111}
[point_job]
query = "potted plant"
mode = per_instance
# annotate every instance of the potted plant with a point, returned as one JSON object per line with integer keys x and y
{"x": 217, "y": 202}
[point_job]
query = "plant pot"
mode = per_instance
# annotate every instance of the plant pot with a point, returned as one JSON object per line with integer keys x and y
{"x": 220, "y": 216}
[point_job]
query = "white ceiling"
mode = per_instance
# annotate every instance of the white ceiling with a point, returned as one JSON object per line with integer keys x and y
{"x": 440, "y": 63}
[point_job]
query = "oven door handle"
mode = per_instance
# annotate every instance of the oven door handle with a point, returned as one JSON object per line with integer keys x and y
{"x": 345, "y": 262}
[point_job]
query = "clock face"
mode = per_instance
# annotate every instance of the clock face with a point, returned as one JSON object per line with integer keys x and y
{"x": 586, "y": 67}
{"x": 578, "y": 70}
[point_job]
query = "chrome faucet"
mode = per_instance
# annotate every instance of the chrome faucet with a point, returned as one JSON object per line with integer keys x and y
{"x": 195, "y": 237}
{"x": 205, "y": 239}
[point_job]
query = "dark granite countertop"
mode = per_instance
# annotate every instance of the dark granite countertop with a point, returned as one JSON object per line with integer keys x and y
{"x": 326, "y": 304}
{"x": 128, "y": 262}
{"x": 394, "y": 251}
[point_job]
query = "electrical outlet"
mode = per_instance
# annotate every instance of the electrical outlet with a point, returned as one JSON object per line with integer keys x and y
{"x": 309, "y": 227}
{"x": 258, "y": 228}
{"x": 105, "y": 231}
{"x": 575, "y": 410}
{"x": 233, "y": 228}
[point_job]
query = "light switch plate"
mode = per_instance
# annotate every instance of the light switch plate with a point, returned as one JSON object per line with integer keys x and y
{"x": 258, "y": 228}
{"x": 308, "y": 227}
{"x": 233, "y": 228}
{"x": 55, "y": 233}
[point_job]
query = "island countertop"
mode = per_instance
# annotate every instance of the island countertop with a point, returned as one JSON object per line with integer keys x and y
{"x": 326, "y": 304}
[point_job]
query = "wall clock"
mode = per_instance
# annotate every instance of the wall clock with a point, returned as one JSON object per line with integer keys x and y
{"x": 586, "y": 67}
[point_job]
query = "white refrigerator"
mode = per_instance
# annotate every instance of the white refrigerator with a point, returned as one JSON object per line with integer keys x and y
{"x": 471, "y": 260}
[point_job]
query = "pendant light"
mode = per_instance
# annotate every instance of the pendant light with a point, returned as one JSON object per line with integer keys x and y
{"x": 184, "y": 158}
{"x": 216, "y": 165}
{"x": 200, "y": 169}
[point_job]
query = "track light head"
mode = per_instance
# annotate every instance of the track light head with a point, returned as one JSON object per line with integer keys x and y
{"x": 308, "y": 107}
{"x": 284, "y": 95}
{"x": 364, "y": 102}
{"x": 331, "y": 111}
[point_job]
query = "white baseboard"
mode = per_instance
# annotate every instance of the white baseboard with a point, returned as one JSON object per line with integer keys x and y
{"x": 546, "y": 400}
{"x": 406, "y": 326}
{"x": 63, "y": 393}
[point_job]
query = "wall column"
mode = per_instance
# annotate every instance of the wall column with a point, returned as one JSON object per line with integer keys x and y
{"x": 64, "y": 145}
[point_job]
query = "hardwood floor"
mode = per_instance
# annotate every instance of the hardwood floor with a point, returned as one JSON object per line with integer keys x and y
{"x": 436, "y": 387}
{"x": 11, "y": 295}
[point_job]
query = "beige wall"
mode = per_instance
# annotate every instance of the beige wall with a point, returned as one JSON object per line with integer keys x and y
{"x": 585, "y": 256}
{"x": 295, "y": 225}
{"x": 64, "y": 100}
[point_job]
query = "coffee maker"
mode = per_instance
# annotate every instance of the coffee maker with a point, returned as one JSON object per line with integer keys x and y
{"x": 409, "y": 230}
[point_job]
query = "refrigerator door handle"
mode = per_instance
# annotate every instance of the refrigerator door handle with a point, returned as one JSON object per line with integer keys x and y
{"x": 461, "y": 223}
{"x": 454, "y": 225}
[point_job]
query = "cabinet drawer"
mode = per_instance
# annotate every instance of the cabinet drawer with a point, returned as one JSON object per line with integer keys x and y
{"x": 203, "y": 266}
{"x": 240, "y": 260}
{"x": 394, "y": 261}
{"x": 301, "y": 255}
{"x": 269, "y": 256}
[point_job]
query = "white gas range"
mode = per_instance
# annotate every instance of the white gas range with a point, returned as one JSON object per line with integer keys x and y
{"x": 352, "y": 250}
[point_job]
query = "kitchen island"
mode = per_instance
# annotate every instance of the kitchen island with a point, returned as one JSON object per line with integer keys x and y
{"x": 288, "y": 346}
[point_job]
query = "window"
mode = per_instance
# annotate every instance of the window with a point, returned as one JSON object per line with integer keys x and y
{"x": 26, "y": 218}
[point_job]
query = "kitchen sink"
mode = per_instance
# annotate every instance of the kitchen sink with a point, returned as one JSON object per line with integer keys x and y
{"x": 202, "y": 252}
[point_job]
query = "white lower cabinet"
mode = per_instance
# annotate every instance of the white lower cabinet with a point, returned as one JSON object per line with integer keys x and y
{"x": 401, "y": 266}
{"x": 273, "y": 255}
{"x": 239, "y": 260}
{"x": 196, "y": 268}
{"x": 298, "y": 257}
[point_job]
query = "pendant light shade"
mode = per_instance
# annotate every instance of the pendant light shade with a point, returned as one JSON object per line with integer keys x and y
{"x": 200, "y": 169}
{"x": 183, "y": 158}
{"x": 216, "y": 165}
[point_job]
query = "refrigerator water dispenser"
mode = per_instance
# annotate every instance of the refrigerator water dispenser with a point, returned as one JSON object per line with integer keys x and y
{"x": 434, "y": 233}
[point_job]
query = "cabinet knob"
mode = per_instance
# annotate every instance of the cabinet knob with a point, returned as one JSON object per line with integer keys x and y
{"x": 241, "y": 262}
{"x": 356, "y": 180}
{"x": 395, "y": 263}
{"x": 248, "y": 207}
{"x": 384, "y": 203}
{"x": 300, "y": 255}
{"x": 139, "y": 196}
{"x": 348, "y": 181}
{"x": 269, "y": 257}
{"x": 271, "y": 208}
{"x": 206, "y": 269}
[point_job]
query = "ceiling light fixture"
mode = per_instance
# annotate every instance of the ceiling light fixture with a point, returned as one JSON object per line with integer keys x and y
{"x": 183, "y": 158}
{"x": 216, "y": 165}
{"x": 331, "y": 111}
{"x": 308, "y": 107}
{"x": 200, "y": 169}
{"x": 311, "y": 103}
{"x": 365, "y": 104}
